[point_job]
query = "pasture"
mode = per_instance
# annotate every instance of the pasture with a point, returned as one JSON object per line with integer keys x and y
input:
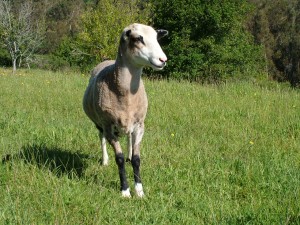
{"x": 211, "y": 154}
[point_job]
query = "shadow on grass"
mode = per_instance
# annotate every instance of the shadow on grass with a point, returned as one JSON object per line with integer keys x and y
{"x": 57, "y": 160}
{"x": 62, "y": 162}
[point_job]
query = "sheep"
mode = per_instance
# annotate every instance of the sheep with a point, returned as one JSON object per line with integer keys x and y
{"x": 115, "y": 99}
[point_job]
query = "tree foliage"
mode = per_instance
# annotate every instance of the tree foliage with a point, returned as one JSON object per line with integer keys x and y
{"x": 207, "y": 39}
{"x": 101, "y": 27}
{"x": 63, "y": 18}
{"x": 276, "y": 25}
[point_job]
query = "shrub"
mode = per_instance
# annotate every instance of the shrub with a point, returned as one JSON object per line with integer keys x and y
{"x": 4, "y": 58}
{"x": 207, "y": 40}
{"x": 101, "y": 27}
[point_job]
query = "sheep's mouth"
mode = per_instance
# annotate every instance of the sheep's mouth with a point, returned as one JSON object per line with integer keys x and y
{"x": 159, "y": 67}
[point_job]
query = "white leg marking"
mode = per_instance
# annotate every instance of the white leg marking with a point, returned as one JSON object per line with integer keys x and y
{"x": 126, "y": 193}
{"x": 139, "y": 190}
{"x": 129, "y": 145}
{"x": 104, "y": 151}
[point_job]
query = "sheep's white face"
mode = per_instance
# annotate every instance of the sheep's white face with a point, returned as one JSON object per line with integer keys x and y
{"x": 140, "y": 43}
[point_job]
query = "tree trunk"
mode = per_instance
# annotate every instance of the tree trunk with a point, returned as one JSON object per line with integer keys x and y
{"x": 293, "y": 54}
{"x": 14, "y": 61}
{"x": 14, "y": 57}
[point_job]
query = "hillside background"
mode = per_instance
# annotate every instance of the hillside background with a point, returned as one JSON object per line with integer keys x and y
{"x": 209, "y": 41}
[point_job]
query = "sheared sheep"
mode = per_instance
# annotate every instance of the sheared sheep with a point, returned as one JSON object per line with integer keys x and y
{"x": 116, "y": 101}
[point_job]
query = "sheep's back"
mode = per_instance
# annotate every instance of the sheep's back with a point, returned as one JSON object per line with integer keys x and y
{"x": 92, "y": 92}
{"x": 101, "y": 66}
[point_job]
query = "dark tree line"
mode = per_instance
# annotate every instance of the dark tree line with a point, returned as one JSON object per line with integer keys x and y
{"x": 276, "y": 26}
{"x": 209, "y": 40}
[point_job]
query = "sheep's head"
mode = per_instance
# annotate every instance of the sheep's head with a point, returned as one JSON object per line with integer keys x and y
{"x": 140, "y": 45}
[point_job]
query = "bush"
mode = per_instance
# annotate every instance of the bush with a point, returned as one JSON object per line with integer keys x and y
{"x": 207, "y": 40}
{"x": 50, "y": 62}
{"x": 99, "y": 37}
{"x": 5, "y": 59}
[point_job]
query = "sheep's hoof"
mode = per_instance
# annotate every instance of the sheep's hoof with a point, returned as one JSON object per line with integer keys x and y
{"x": 126, "y": 193}
{"x": 139, "y": 190}
{"x": 104, "y": 163}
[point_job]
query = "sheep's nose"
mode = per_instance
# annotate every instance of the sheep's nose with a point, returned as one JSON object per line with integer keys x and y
{"x": 163, "y": 59}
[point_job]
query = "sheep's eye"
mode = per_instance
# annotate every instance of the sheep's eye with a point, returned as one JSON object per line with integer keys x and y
{"x": 139, "y": 39}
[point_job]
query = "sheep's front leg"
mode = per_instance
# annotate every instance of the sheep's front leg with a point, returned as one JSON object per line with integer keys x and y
{"x": 137, "y": 136}
{"x": 120, "y": 160}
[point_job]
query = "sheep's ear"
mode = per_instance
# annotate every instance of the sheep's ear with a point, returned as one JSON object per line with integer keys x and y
{"x": 128, "y": 32}
{"x": 125, "y": 35}
{"x": 161, "y": 33}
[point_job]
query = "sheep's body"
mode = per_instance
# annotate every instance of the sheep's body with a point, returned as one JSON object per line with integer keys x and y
{"x": 116, "y": 101}
{"x": 113, "y": 101}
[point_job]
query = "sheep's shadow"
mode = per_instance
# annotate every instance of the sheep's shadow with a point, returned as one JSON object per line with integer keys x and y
{"x": 57, "y": 160}
{"x": 61, "y": 162}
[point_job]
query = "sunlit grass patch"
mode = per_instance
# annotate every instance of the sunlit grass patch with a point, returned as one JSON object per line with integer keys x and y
{"x": 211, "y": 154}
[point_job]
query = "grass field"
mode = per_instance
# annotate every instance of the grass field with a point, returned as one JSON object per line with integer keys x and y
{"x": 227, "y": 154}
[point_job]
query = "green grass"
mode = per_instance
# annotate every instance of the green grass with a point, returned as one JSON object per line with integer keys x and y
{"x": 227, "y": 154}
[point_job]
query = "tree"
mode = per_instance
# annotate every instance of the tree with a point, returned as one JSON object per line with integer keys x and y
{"x": 20, "y": 35}
{"x": 207, "y": 39}
{"x": 101, "y": 27}
{"x": 62, "y": 20}
{"x": 275, "y": 25}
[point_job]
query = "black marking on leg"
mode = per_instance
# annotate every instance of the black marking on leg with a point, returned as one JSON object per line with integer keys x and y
{"x": 99, "y": 128}
{"x": 117, "y": 133}
{"x": 135, "y": 162}
{"x": 121, "y": 166}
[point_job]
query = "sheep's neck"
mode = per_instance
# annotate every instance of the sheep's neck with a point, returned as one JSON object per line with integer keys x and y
{"x": 127, "y": 76}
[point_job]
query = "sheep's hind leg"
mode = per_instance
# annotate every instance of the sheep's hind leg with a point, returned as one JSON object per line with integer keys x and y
{"x": 135, "y": 161}
{"x": 103, "y": 146}
{"x": 104, "y": 151}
